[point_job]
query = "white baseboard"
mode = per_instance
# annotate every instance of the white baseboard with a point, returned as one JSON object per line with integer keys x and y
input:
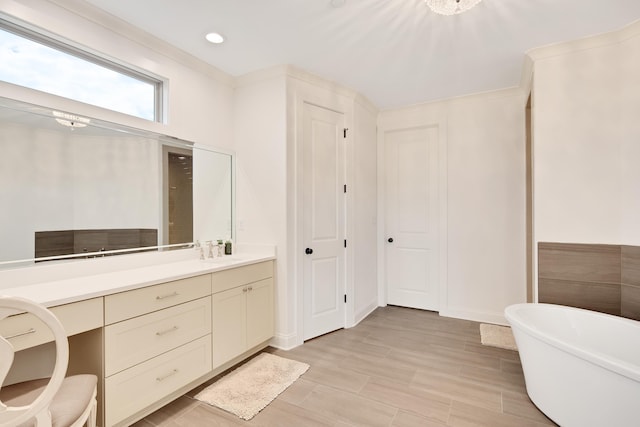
{"x": 284, "y": 341}
{"x": 290, "y": 341}
{"x": 363, "y": 313}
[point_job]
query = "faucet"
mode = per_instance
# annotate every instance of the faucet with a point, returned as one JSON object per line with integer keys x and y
{"x": 210, "y": 246}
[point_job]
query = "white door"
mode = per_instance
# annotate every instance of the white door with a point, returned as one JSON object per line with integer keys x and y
{"x": 411, "y": 158}
{"x": 323, "y": 220}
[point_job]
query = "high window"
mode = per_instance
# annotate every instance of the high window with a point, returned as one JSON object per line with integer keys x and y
{"x": 38, "y": 62}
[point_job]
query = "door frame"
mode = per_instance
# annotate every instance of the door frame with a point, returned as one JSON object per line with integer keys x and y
{"x": 418, "y": 117}
{"x": 300, "y": 92}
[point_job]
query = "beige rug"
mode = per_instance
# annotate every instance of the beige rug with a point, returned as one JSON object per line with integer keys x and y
{"x": 250, "y": 388}
{"x": 497, "y": 336}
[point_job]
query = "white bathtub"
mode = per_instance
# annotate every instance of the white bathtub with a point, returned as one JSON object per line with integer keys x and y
{"x": 581, "y": 368}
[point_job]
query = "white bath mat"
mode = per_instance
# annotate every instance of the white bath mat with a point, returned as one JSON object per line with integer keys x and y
{"x": 497, "y": 336}
{"x": 250, "y": 388}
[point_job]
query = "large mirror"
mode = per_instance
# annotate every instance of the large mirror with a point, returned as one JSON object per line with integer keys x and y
{"x": 77, "y": 187}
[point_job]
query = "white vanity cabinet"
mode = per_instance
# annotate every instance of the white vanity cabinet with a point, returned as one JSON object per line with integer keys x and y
{"x": 243, "y": 310}
{"x": 151, "y": 343}
{"x": 156, "y": 340}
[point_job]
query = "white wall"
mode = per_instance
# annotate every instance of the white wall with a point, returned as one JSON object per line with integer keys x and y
{"x": 484, "y": 229}
{"x": 363, "y": 199}
{"x": 486, "y": 196}
{"x": 586, "y": 139}
{"x": 260, "y": 128}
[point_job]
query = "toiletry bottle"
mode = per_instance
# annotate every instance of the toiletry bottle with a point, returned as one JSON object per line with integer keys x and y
{"x": 227, "y": 247}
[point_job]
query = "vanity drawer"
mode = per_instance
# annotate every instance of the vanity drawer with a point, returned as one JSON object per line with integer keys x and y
{"x": 29, "y": 331}
{"x": 227, "y": 279}
{"x": 125, "y": 305}
{"x": 136, "y": 388}
{"x": 141, "y": 338}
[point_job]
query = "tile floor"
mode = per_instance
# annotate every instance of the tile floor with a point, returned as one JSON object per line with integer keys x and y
{"x": 399, "y": 367}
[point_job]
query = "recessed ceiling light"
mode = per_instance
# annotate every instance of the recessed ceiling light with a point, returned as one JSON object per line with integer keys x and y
{"x": 214, "y": 38}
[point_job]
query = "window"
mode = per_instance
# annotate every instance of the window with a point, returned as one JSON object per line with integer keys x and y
{"x": 38, "y": 62}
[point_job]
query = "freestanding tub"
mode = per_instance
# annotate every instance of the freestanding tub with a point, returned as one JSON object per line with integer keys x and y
{"x": 581, "y": 368}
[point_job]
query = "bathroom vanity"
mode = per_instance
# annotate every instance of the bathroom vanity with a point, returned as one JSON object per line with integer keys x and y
{"x": 150, "y": 333}
{"x": 150, "y": 325}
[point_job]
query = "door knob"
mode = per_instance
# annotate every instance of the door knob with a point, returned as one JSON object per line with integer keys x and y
{"x": 308, "y": 251}
{"x": 390, "y": 240}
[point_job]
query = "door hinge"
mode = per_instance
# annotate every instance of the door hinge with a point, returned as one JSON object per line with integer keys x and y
{"x": 345, "y": 243}
{"x": 344, "y": 132}
{"x": 345, "y": 188}
{"x": 345, "y": 298}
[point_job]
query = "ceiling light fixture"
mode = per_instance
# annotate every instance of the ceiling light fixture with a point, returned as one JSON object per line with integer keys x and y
{"x": 214, "y": 38}
{"x": 451, "y": 7}
{"x": 71, "y": 120}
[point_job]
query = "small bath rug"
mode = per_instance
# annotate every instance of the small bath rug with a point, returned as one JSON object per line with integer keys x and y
{"x": 497, "y": 336}
{"x": 250, "y": 388}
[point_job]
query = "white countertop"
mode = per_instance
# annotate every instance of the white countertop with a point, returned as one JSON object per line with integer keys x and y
{"x": 68, "y": 290}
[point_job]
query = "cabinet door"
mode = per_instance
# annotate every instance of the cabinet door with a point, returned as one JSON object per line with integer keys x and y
{"x": 259, "y": 312}
{"x": 229, "y": 324}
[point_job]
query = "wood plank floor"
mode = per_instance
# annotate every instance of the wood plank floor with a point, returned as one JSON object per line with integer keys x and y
{"x": 399, "y": 367}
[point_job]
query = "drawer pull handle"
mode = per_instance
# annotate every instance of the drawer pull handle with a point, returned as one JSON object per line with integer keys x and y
{"x": 166, "y": 331}
{"x": 19, "y": 334}
{"x": 164, "y": 377}
{"x": 244, "y": 289}
{"x": 250, "y": 288}
{"x": 161, "y": 297}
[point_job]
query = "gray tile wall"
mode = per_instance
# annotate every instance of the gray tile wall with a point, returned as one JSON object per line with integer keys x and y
{"x": 604, "y": 278}
{"x": 630, "y": 283}
{"x": 65, "y": 242}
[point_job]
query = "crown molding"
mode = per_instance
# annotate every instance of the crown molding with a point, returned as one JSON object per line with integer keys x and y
{"x": 526, "y": 78}
{"x": 599, "y": 40}
{"x": 290, "y": 71}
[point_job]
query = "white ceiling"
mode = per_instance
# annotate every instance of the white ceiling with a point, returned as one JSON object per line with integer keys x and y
{"x": 394, "y": 52}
